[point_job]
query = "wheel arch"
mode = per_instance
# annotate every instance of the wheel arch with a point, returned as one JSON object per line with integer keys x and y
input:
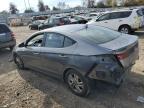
{"x": 124, "y": 25}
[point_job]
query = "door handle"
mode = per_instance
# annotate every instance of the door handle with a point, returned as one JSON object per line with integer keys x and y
{"x": 62, "y": 55}
{"x": 36, "y": 53}
{"x": 105, "y": 22}
{"x": 120, "y": 20}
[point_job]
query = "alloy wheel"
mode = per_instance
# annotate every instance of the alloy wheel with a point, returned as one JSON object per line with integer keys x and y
{"x": 75, "y": 83}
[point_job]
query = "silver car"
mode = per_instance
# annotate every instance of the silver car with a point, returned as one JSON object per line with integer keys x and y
{"x": 79, "y": 53}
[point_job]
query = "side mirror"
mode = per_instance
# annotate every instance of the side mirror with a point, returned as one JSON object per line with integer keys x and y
{"x": 22, "y": 45}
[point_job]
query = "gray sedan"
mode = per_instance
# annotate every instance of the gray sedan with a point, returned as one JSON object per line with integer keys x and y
{"x": 78, "y": 53}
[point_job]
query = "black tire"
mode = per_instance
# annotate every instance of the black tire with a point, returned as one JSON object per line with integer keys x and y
{"x": 39, "y": 29}
{"x": 11, "y": 48}
{"x": 18, "y": 61}
{"x": 84, "y": 87}
{"x": 30, "y": 28}
{"x": 125, "y": 29}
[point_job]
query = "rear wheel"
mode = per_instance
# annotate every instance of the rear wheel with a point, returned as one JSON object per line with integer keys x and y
{"x": 18, "y": 61}
{"x": 77, "y": 83}
{"x": 30, "y": 27}
{"x": 125, "y": 29}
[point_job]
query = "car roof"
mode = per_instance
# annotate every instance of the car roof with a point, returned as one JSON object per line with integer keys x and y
{"x": 54, "y": 17}
{"x": 65, "y": 28}
{"x": 117, "y": 11}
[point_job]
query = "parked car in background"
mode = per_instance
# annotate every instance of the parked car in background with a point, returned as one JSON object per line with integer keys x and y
{"x": 7, "y": 39}
{"x": 124, "y": 21}
{"x": 77, "y": 53}
{"x": 141, "y": 15}
{"x": 79, "y": 20}
{"x": 54, "y": 21}
{"x": 93, "y": 15}
{"x": 34, "y": 25}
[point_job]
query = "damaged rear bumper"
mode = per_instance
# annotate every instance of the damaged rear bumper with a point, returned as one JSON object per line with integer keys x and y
{"x": 112, "y": 73}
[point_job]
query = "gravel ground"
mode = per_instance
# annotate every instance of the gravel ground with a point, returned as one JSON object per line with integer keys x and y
{"x": 30, "y": 89}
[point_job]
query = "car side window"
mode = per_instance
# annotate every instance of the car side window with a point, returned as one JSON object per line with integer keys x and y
{"x": 125, "y": 14}
{"x": 115, "y": 15}
{"x": 36, "y": 41}
{"x": 68, "y": 42}
{"x": 54, "y": 40}
{"x": 139, "y": 13}
{"x": 104, "y": 17}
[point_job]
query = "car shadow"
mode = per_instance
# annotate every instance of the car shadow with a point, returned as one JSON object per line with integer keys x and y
{"x": 5, "y": 65}
{"x": 103, "y": 94}
{"x": 139, "y": 33}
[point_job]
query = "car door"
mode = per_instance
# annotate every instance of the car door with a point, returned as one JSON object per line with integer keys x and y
{"x": 103, "y": 20}
{"x": 31, "y": 52}
{"x": 115, "y": 20}
{"x": 56, "y": 53}
{"x": 50, "y": 23}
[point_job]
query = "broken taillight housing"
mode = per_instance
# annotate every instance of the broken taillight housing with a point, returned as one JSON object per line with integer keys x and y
{"x": 12, "y": 35}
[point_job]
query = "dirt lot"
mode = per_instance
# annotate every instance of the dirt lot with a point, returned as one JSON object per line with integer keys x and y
{"x": 29, "y": 89}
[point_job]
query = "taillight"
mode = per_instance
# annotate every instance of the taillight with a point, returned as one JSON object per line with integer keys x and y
{"x": 61, "y": 23}
{"x": 122, "y": 56}
{"x": 12, "y": 35}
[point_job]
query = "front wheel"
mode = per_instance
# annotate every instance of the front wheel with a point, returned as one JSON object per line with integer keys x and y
{"x": 18, "y": 61}
{"x": 77, "y": 83}
{"x": 11, "y": 48}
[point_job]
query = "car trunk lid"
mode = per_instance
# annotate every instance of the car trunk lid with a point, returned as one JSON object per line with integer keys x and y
{"x": 125, "y": 48}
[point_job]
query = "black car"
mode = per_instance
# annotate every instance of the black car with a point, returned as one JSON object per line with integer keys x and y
{"x": 77, "y": 53}
{"x": 54, "y": 21}
{"x": 34, "y": 25}
{"x": 7, "y": 39}
{"x": 78, "y": 20}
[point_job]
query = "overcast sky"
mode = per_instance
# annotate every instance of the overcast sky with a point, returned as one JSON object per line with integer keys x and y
{"x": 4, "y": 5}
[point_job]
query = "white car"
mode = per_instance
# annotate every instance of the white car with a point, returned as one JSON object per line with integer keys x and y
{"x": 94, "y": 15}
{"x": 124, "y": 21}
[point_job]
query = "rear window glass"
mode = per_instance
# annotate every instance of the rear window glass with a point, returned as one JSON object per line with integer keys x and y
{"x": 98, "y": 35}
{"x": 4, "y": 28}
{"x": 143, "y": 11}
{"x": 68, "y": 42}
{"x": 139, "y": 12}
{"x": 125, "y": 14}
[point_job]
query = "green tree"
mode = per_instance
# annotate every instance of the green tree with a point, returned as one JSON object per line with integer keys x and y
{"x": 114, "y": 3}
{"x": 29, "y": 10}
{"x": 41, "y": 6}
{"x": 100, "y": 5}
{"x": 140, "y": 2}
{"x": 54, "y": 8}
{"x": 109, "y": 3}
{"x": 13, "y": 9}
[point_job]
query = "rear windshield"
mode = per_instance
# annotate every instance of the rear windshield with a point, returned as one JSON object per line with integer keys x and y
{"x": 98, "y": 35}
{"x": 140, "y": 13}
{"x": 4, "y": 28}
